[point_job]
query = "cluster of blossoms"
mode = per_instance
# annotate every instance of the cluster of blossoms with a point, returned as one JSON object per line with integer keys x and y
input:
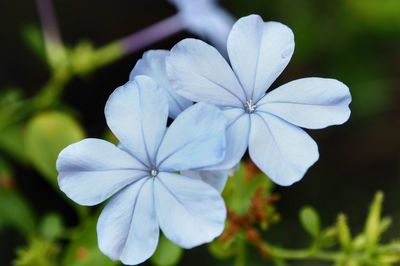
{"x": 170, "y": 178}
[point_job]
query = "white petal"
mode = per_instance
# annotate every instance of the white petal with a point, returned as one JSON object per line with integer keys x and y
{"x": 281, "y": 150}
{"x": 128, "y": 229}
{"x": 190, "y": 212}
{"x": 137, "y": 114}
{"x": 259, "y": 51}
{"x": 237, "y": 138}
{"x": 92, "y": 170}
{"x": 216, "y": 179}
{"x": 309, "y": 102}
{"x": 198, "y": 72}
{"x": 196, "y": 139}
{"x": 153, "y": 65}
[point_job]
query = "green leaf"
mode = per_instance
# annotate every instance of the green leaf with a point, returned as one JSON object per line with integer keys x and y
{"x": 34, "y": 39}
{"x": 328, "y": 237}
{"x": 84, "y": 251}
{"x": 359, "y": 242}
{"x": 167, "y": 253}
{"x": 12, "y": 109}
{"x": 15, "y": 212}
{"x": 11, "y": 142}
{"x": 383, "y": 15}
{"x": 373, "y": 224}
{"x": 344, "y": 232}
{"x": 52, "y": 226}
{"x": 310, "y": 220}
{"x": 386, "y": 222}
{"x": 46, "y": 135}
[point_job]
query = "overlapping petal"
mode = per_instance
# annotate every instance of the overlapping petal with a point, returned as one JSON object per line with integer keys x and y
{"x": 309, "y": 102}
{"x": 137, "y": 114}
{"x": 237, "y": 138}
{"x": 189, "y": 211}
{"x": 216, "y": 179}
{"x": 195, "y": 140}
{"x": 198, "y": 72}
{"x": 92, "y": 170}
{"x": 281, "y": 150}
{"x": 128, "y": 228}
{"x": 153, "y": 65}
{"x": 259, "y": 51}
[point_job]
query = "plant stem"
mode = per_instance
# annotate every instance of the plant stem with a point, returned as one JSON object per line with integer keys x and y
{"x": 51, "y": 92}
{"x": 152, "y": 34}
{"x": 302, "y": 254}
{"x": 139, "y": 40}
{"x": 48, "y": 20}
{"x": 240, "y": 259}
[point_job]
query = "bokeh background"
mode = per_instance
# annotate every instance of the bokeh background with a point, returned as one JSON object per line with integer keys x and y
{"x": 355, "y": 41}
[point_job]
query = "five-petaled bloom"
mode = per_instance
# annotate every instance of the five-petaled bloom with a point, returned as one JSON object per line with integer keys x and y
{"x": 144, "y": 174}
{"x": 267, "y": 123}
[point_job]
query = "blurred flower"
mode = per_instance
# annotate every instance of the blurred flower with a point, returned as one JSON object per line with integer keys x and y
{"x": 269, "y": 124}
{"x": 207, "y": 19}
{"x": 144, "y": 175}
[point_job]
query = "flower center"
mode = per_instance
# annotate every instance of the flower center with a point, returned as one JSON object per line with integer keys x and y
{"x": 154, "y": 172}
{"x": 250, "y": 107}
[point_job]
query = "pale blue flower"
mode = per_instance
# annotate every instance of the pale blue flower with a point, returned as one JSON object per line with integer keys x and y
{"x": 153, "y": 65}
{"x": 144, "y": 178}
{"x": 266, "y": 123}
{"x": 207, "y": 19}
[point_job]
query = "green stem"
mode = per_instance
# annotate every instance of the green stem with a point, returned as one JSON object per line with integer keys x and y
{"x": 108, "y": 54}
{"x": 240, "y": 259}
{"x": 300, "y": 254}
{"x": 51, "y": 92}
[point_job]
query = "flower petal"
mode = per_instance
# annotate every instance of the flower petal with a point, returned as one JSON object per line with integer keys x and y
{"x": 153, "y": 65}
{"x": 281, "y": 150}
{"x": 216, "y": 179}
{"x": 190, "y": 212}
{"x": 309, "y": 102}
{"x": 196, "y": 139}
{"x": 237, "y": 138}
{"x": 137, "y": 114}
{"x": 259, "y": 52}
{"x": 92, "y": 170}
{"x": 198, "y": 72}
{"x": 206, "y": 19}
{"x": 128, "y": 229}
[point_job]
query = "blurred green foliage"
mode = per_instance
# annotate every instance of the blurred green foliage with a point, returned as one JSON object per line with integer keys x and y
{"x": 83, "y": 249}
{"x": 46, "y": 134}
{"x": 167, "y": 253}
{"x": 310, "y": 220}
